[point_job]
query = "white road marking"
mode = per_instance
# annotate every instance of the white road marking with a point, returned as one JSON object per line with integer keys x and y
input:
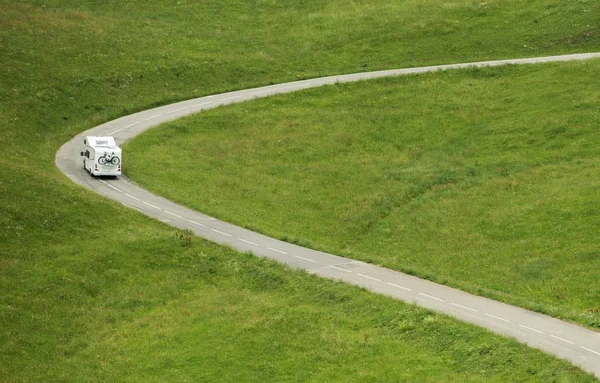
{"x": 150, "y": 118}
{"x": 306, "y": 259}
{"x": 230, "y": 98}
{"x": 590, "y": 350}
{"x": 130, "y": 196}
{"x": 252, "y": 243}
{"x": 177, "y": 110}
{"x": 220, "y": 232}
{"x": 564, "y": 340}
{"x": 277, "y": 251}
{"x": 201, "y": 104}
{"x": 149, "y": 204}
{"x": 493, "y": 316}
{"x": 368, "y": 277}
{"x": 173, "y": 214}
{"x": 339, "y": 268}
{"x": 432, "y": 297}
{"x": 464, "y": 307}
{"x": 400, "y": 287}
{"x": 125, "y": 127}
{"x": 118, "y": 130}
{"x": 110, "y": 186}
{"x": 194, "y": 222}
{"x": 532, "y": 329}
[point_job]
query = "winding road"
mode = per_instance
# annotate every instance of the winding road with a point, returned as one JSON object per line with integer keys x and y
{"x": 579, "y": 345}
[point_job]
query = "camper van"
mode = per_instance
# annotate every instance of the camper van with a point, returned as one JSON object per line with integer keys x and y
{"x": 102, "y": 156}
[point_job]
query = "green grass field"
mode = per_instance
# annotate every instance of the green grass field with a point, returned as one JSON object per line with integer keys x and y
{"x": 93, "y": 291}
{"x": 156, "y": 304}
{"x": 482, "y": 179}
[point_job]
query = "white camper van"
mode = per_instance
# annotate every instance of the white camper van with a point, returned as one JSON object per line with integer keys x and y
{"x": 102, "y": 156}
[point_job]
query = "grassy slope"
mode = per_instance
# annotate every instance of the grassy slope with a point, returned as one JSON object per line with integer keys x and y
{"x": 159, "y": 305}
{"x": 481, "y": 179}
{"x": 77, "y": 271}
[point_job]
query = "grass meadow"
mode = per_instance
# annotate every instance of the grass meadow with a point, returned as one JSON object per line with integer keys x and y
{"x": 92, "y": 291}
{"x": 157, "y": 304}
{"x": 481, "y": 179}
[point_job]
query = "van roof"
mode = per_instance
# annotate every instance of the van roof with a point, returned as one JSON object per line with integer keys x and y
{"x": 101, "y": 142}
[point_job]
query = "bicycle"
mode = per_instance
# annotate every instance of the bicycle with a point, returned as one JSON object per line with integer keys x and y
{"x": 109, "y": 159}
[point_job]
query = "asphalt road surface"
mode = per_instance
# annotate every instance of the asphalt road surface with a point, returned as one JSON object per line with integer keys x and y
{"x": 579, "y": 345}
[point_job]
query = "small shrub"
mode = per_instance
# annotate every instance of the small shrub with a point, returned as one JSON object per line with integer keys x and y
{"x": 185, "y": 237}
